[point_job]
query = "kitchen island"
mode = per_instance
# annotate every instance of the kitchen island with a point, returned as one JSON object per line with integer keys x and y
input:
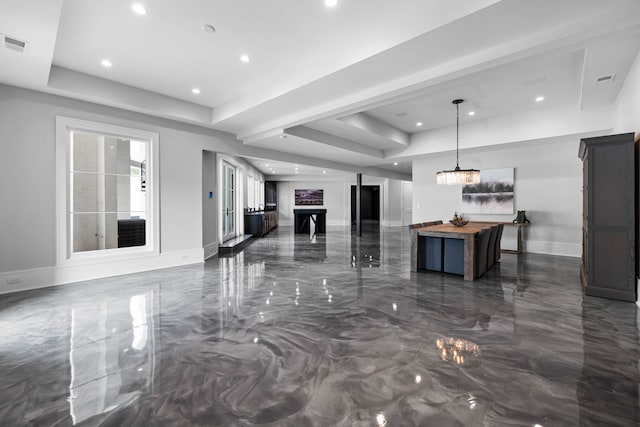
{"x": 464, "y": 238}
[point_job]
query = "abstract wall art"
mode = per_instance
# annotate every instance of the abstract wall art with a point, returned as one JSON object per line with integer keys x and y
{"x": 493, "y": 195}
{"x": 309, "y": 197}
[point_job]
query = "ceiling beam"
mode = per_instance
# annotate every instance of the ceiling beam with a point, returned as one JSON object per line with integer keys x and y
{"x": 378, "y": 127}
{"x": 334, "y": 141}
{"x": 281, "y": 156}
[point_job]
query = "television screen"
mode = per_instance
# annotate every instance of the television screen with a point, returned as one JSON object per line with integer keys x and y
{"x": 309, "y": 197}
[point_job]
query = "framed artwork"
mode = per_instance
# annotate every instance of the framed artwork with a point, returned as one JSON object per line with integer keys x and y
{"x": 309, "y": 197}
{"x": 493, "y": 195}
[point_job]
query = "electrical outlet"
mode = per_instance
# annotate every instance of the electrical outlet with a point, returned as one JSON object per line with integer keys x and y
{"x": 14, "y": 280}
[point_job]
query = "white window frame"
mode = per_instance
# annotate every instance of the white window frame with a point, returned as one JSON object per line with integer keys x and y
{"x": 250, "y": 196}
{"x": 65, "y": 255}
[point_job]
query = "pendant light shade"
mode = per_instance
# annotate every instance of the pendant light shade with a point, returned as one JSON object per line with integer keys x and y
{"x": 458, "y": 176}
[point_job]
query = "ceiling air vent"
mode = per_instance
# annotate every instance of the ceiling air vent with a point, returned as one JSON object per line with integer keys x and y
{"x": 605, "y": 79}
{"x": 14, "y": 44}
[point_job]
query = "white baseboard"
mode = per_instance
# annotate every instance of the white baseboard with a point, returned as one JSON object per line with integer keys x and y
{"x": 210, "y": 249}
{"x": 22, "y": 280}
{"x": 553, "y": 248}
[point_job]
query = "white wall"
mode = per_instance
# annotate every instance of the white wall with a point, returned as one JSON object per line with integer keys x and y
{"x": 337, "y": 199}
{"x": 548, "y": 183}
{"x": 393, "y": 203}
{"x": 28, "y": 187}
{"x": 627, "y": 111}
{"x": 627, "y": 117}
{"x": 209, "y": 205}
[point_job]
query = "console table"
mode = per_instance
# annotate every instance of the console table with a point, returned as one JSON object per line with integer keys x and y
{"x": 302, "y": 219}
{"x": 520, "y": 233}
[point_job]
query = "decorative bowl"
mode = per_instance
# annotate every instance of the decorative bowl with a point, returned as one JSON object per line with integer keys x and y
{"x": 459, "y": 223}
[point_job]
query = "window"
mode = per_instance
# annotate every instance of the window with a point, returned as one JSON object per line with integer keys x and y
{"x": 261, "y": 192}
{"x": 256, "y": 194}
{"x": 250, "y": 196}
{"x": 107, "y": 197}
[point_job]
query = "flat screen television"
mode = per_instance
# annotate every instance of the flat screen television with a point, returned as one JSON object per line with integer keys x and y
{"x": 309, "y": 197}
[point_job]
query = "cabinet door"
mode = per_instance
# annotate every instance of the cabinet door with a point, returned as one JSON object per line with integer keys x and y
{"x": 609, "y": 218}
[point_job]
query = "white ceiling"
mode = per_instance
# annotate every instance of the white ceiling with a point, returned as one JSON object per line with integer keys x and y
{"x": 345, "y": 85}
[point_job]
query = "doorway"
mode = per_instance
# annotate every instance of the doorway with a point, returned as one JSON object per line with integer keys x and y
{"x": 369, "y": 203}
{"x": 228, "y": 201}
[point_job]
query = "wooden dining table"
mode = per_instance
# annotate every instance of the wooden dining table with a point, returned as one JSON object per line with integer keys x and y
{"x": 467, "y": 232}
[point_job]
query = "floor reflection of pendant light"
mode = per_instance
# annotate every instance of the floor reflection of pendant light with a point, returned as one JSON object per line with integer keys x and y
{"x": 458, "y": 176}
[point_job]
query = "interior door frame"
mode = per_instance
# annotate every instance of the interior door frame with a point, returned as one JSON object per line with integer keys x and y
{"x": 406, "y": 189}
{"x": 229, "y": 198}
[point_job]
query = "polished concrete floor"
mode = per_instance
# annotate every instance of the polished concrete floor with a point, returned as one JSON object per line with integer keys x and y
{"x": 333, "y": 331}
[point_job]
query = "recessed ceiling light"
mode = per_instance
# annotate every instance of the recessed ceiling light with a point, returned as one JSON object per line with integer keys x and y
{"x": 324, "y": 171}
{"x": 139, "y": 9}
{"x": 472, "y": 113}
{"x": 266, "y": 164}
{"x": 208, "y": 28}
{"x": 106, "y": 63}
{"x": 395, "y": 163}
{"x": 244, "y": 58}
{"x": 540, "y": 99}
{"x": 196, "y": 91}
{"x": 419, "y": 124}
{"x": 330, "y": 3}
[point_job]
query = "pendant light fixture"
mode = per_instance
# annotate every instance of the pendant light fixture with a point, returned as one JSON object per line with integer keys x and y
{"x": 458, "y": 176}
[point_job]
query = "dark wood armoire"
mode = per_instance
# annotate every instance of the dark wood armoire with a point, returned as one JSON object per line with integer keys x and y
{"x": 609, "y": 216}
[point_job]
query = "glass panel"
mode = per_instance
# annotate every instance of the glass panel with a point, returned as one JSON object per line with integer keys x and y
{"x": 85, "y": 152}
{"x": 107, "y": 191}
{"x": 111, "y": 230}
{"x": 117, "y": 155}
{"x": 85, "y": 232}
{"x": 85, "y": 192}
{"x": 94, "y": 231}
{"x": 132, "y": 215}
{"x": 113, "y": 195}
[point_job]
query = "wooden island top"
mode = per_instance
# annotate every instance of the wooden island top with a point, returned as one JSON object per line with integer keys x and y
{"x": 471, "y": 227}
